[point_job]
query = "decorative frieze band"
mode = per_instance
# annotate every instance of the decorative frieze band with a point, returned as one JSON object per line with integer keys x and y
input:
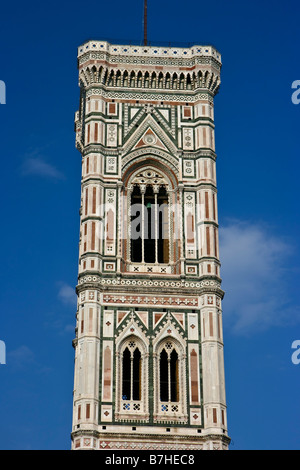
{"x": 146, "y": 95}
{"x": 118, "y": 50}
{"x": 125, "y": 444}
{"x": 150, "y": 300}
{"x": 148, "y": 282}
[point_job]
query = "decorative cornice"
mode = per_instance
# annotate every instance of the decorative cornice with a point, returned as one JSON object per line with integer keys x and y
{"x": 122, "y": 439}
{"x": 128, "y": 68}
{"x": 132, "y": 52}
{"x": 147, "y": 286}
{"x": 148, "y": 94}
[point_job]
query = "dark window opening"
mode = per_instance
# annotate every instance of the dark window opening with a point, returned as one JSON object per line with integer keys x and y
{"x": 131, "y": 378}
{"x": 136, "y": 373}
{"x": 174, "y": 376}
{"x": 164, "y": 383}
{"x": 126, "y": 375}
{"x": 169, "y": 380}
{"x": 149, "y": 226}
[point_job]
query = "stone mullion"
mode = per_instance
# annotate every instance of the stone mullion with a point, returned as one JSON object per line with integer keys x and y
{"x": 143, "y": 226}
{"x": 149, "y": 376}
{"x": 131, "y": 376}
{"x": 128, "y": 227}
{"x": 169, "y": 379}
{"x": 156, "y": 226}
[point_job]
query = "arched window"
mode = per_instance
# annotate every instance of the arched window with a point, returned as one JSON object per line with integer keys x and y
{"x": 164, "y": 375}
{"x": 126, "y": 368}
{"x": 153, "y": 80}
{"x": 149, "y": 219}
{"x": 131, "y": 373}
{"x": 132, "y": 79}
{"x": 118, "y": 78}
{"x": 169, "y": 378}
{"x": 131, "y": 380}
{"x": 168, "y": 372}
{"x": 125, "y": 78}
{"x": 146, "y": 80}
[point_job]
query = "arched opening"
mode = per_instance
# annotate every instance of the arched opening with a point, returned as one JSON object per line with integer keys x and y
{"x": 126, "y": 375}
{"x": 160, "y": 80}
{"x": 132, "y": 79}
{"x": 118, "y": 78}
{"x": 168, "y": 80}
{"x": 188, "y": 82}
{"x": 139, "y": 79}
{"x": 146, "y": 80}
{"x": 174, "y": 388}
{"x": 153, "y": 80}
{"x": 125, "y": 78}
{"x": 131, "y": 374}
{"x": 136, "y": 375}
{"x": 149, "y": 219}
{"x": 181, "y": 81}
{"x": 163, "y": 373}
{"x": 168, "y": 373}
{"x": 174, "y": 81}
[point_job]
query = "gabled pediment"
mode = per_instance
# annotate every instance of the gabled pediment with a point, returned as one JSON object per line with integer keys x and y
{"x": 150, "y": 134}
{"x": 149, "y": 138}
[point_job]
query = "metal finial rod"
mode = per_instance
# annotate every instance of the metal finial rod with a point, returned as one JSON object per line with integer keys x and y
{"x": 145, "y": 22}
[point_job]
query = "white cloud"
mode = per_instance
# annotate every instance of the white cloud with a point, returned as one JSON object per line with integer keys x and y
{"x": 67, "y": 294}
{"x": 21, "y": 357}
{"x": 254, "y": 268}
{"x": 39, "y": 167}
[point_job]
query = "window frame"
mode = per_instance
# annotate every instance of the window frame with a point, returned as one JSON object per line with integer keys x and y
{"x": 157, "y": 179}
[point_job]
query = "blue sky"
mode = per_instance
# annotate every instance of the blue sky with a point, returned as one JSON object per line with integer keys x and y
{"x": 257, "y": 143}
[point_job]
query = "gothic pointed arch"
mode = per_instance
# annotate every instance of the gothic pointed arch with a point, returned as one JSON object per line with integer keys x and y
{"x": 150, "y": 213}
{"x": 131, "y": 372}
{"x": 169, "y": 373}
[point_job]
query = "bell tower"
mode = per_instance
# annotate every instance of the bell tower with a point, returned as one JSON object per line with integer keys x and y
{"x": 149, "y": 369}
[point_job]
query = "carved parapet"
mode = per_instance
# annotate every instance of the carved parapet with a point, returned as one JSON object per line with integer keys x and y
{"x": 180, "y": 69}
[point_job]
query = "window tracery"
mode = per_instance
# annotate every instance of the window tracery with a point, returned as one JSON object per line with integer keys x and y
{"x": 131, "y": 382}
{"x": 149, "y": 217}
{"x": 169, "y": 382}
